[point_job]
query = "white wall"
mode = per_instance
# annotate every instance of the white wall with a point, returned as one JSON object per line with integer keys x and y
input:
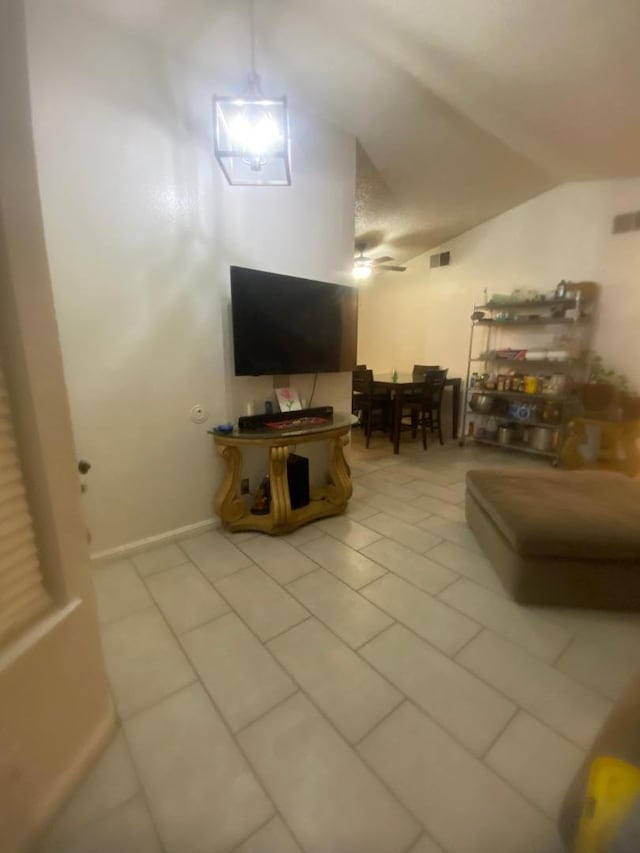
{"x": 422, "y": 316}
{"x": 140, "y": 230}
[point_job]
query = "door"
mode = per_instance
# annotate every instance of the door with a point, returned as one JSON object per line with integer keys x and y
{"x": 55, "y": 708}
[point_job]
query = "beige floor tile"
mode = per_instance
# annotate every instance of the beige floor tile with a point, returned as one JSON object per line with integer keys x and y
{"x": 462, "y": 804}
{"x": 273, "y": 837}
{"x": 444, "y": 494}
{"x": 239, "y": 673}
{"x": 453, "y": 531}
{"x": 602, "y": 665}
{"x": 396, "y": 474}
{"x": 303, "y": 535}
{"x": 547, "y": 694}
{"x": 279, "y": 559}
{"x": 340, "y": 608}
{"x": 435, "y": 622}
{"x": 119, "y": 591}
{"x": 185, "y": 597}
{"x": 443, "y": 509}
{"x": 472, "y": 565}
{"x": 158, "y": 559}
{"x": 345, "y": 688}
{"x": 359, "y": 510}
{"x": 345, "y": 563}
{"x": 426, "y": 845}
{"x": 261, "y": 602}
{"x": 328, "y": 797}
{"x": 239, "y": 535}
{"x": 360, "y": 492}
{"x": 127, "y": 828}
{"x": 110, "y": 783}
{"x": 407, "y": 512}
{"x": 402, "y": 561}
{"x": 406, "y": 534}
{"x": 618, "y": 631}
{"x": 536, "y": 761}
{"x": 439, "y": 475}
{"x": 469, "y": 709}
{"x": 144, "y": 661}
{"x": 202, "y": 793}
{"x": 515, "y": 622}
{"x": 352, "y": 533}
{"x": 215, "y": 555}
{"x": 400, "y": 494}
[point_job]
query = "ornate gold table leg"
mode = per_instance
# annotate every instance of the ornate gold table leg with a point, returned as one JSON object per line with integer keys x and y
{"x": 340, "y": 490}
{"x": 227, "y": 504}
{"x": 280, "y": 502}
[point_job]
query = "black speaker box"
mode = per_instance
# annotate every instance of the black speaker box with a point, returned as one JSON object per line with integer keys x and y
{"x": 298, "y": 479}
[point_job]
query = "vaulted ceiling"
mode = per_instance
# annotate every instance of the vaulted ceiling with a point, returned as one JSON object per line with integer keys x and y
{"x": 462, "y": 108}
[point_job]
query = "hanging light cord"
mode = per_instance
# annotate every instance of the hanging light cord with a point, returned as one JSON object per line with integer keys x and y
{"x": 252, "y": 27}
{"x": 254, "y": 79}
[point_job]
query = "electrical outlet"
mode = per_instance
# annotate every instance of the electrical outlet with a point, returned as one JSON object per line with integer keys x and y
{"x": 244, "y": 486}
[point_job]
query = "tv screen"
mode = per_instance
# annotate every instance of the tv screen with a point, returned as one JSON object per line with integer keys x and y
{"x": 283, "y": 324}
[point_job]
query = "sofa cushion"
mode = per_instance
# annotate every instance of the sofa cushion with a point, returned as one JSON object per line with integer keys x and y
{"x": 579, "y": 514}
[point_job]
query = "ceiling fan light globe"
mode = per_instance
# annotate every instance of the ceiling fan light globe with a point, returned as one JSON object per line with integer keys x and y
{"x": 361, "y": 272}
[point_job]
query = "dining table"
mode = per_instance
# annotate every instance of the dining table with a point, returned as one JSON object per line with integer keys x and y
{"x": 398, "y": 384}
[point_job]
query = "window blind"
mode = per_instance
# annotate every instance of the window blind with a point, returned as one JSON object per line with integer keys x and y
{"x": 22, "y": 592}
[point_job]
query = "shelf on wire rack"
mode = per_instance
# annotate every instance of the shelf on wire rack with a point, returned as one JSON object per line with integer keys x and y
{"x": 532, "y": 303}
{"x": 547, "y": 362}
{"x": 535, "y": 321}
{"x": 516, "y": 445}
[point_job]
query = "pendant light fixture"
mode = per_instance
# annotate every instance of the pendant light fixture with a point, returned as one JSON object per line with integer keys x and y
{"x": 252, "y": 133}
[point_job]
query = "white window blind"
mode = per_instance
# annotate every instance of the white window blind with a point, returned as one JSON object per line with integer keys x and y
{"x": 22, "y": 592}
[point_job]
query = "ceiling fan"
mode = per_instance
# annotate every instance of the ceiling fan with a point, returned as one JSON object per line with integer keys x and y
{"x": 364, "y": 266}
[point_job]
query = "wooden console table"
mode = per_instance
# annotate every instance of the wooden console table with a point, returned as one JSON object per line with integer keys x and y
{"x": 325, "y": 500}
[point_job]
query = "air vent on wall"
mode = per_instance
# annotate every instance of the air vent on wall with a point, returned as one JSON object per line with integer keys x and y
{"x": 626, "y": 222}
{"x": 442, "y": 259}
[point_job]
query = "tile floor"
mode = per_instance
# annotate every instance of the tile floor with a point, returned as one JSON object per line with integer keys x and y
{"x": 360, "y": 686}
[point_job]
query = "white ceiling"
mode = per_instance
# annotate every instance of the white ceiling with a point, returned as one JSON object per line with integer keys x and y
{"x": 462, "y": 108}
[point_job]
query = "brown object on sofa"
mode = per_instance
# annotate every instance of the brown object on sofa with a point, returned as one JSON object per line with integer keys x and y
{"x": 560, "y": 537}
{"x": 619, "y": 737}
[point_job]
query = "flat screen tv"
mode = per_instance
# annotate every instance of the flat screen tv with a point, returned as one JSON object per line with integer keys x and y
{"x": 283, "y": 324}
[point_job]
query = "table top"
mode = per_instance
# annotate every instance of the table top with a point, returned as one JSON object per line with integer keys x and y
{"x": 298, "y": 428}
{"x": 405, "y": 379}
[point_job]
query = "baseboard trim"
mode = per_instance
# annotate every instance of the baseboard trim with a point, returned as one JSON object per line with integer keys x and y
{"x": 161, "y": 539}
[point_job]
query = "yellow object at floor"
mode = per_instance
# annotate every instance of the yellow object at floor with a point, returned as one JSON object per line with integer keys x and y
{"x": 613, "y": 788}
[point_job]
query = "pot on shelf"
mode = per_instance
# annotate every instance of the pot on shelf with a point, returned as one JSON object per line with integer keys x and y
{"x": 543, "y": 438}
{"x": 482, "y": 404}
{"x": 507, "y": 433}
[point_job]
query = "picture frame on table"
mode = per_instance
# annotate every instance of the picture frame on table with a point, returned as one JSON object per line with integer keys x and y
{"x": 288, "y": 400}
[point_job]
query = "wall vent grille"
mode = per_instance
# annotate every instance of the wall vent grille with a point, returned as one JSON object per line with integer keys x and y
{"x": 624, "y": 222}
{"x": 442, "y": 259}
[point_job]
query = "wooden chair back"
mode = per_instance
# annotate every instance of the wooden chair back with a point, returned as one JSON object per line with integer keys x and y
{"x": 421, "y": 370}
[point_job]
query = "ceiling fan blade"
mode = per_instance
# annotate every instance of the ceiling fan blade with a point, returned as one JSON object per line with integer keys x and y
{"x": 393, "y": 269}
{"x": 382, "y": 260}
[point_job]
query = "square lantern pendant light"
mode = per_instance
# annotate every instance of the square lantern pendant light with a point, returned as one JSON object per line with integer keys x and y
{"x": 252, "y": 134}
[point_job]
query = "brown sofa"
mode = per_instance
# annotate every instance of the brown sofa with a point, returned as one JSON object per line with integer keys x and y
{"x": 568, "y": 538}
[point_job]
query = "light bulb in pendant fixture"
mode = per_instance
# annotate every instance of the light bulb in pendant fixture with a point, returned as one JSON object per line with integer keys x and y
{"x": 252, "y": 142}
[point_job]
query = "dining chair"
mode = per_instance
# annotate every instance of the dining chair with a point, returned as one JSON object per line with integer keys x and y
{"x": 424, "y": 410}
{"x": 373, "y": 407}
{"x": 420, "y": 370}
